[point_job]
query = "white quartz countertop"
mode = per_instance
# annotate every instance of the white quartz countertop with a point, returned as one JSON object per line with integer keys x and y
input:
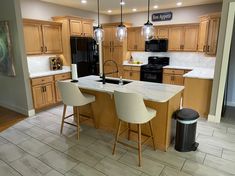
{"x": 125, "y": 63}
{"x": 150, "y": 91}
{"x": 49, "y": 73}
{"x": 197, "y": 72}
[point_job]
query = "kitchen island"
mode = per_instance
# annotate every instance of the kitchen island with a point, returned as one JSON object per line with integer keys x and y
{"x": 164, "y": 98}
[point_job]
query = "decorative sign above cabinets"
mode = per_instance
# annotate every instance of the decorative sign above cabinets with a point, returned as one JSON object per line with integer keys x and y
{"x": 165, "y": 16}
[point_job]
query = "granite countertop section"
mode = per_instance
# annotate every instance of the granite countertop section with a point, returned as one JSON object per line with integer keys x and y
{"x": 125, "y": 63}
{"x": 65, "y": 69}
{"x": 197, "y": 72}
{"x": 201, "y": 73}
{"x": 150, "y": 91}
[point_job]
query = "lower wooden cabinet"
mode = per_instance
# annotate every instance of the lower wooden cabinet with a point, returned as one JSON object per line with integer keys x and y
{"x": 45, "y": 91}
{"x": 174, "y": 76}
{"x": 131, "y": 72}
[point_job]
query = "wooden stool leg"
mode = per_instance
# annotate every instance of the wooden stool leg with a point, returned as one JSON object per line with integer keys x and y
{"x": 62, "y": 123}
{"x": 139, "y": 144}
{"x": 117, "y": 135}
{"x": 151, "y": 130}
{"x": 129, "y": 131}
{"x": 78, "y": 123}
{"x": 93, "y": 117}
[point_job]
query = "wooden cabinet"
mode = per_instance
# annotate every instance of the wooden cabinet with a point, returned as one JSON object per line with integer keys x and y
{"x": 183, "y": 38}
{"x": 131, "y": 72}
{"x": 176, "y": 38}
{"x": 42, "y": 37}
{"x": 162, "y": 32}
{"x": 81, "y": 27}
{"x": 208, "y": 33}
{"x": 135, "y": 41}
{"x": 59, "y": 77}
{"x": 45, "y": 91}
{"x": 174, "y": 76}
{"x": 110, "y": 39}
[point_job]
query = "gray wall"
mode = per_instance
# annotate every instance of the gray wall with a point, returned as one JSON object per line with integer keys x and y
{"x": 36, "y": 9}
{"x": 180, "y": 15}
{"x": 231, "y": 74}
{"x": 15, "y": 92}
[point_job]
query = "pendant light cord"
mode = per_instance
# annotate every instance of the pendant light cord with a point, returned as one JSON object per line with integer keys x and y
{"x": 121, "y": 13}
{"x": 148, "y": 9}
{"x": 98, "y": 5}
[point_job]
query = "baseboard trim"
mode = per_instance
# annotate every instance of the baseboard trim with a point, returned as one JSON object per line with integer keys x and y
{"x": 212, "y": 118}
{"x": 231, "y": 103}
{"x": 18, "y": 109}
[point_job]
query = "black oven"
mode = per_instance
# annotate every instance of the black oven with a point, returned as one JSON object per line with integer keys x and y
{"x": 152, "y": 75}
{"x": 156, "y": 45}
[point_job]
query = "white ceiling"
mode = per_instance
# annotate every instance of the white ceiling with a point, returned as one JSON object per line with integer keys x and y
{"x": 140, "y": 5}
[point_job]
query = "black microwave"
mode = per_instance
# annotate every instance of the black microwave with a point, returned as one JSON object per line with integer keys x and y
{"x": 156, "y": 45}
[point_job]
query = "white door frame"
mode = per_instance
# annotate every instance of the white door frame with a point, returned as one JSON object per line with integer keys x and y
{"x": 225, "y": 61}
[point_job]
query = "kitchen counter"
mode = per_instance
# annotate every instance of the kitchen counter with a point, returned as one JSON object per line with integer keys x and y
{"x": 65, "y": 69}
{"x": 197, "y": 72}
{"x": 165, "y": 99}
{"x": 125, "y": 63}
{"x": 150, "y": 91}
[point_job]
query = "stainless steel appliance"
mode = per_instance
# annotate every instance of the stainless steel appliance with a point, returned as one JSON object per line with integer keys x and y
{"x": 153, "y": 71}
{"x": 156, "y": 45}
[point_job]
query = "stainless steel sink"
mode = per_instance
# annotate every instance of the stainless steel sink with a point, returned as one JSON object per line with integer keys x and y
{"x": 114, "y": 81}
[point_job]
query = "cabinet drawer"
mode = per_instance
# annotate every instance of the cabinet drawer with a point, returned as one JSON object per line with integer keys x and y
{"x": 173, "y": 71}
{"x": 41, "y": 80}
{"x": 63, "y": 76}
{"x": 127, "y": 68}
{"x": 136, "y": 68}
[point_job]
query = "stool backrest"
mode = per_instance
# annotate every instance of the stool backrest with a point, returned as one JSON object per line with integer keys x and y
{"x": 71, "y": 94}
{"x": 130, "y": 107}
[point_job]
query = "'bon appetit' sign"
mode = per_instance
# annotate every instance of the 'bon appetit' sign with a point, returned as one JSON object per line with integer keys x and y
{"x": 165, "y": 16}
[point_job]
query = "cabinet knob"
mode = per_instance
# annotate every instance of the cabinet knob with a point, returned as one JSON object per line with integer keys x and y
{"x": 45, "y": 49}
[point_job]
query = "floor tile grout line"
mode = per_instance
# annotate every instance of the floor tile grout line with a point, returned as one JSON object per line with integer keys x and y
{"x": 8, "y": 164}
{"x": 183, "y": 165}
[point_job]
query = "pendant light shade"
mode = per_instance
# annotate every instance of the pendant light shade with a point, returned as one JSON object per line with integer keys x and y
{"x": 98, "y": 32}
{"x": 148, "y": 29}
{"x": 121, "y": 32}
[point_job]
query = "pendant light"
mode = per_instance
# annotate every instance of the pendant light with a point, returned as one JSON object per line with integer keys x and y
{"x": 148, "y": 29}
{"x": 121, "y": 31}
{"x": 99, "y": 32}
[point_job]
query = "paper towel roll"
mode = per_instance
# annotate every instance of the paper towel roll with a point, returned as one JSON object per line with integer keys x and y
{"x": 74, "y": 72}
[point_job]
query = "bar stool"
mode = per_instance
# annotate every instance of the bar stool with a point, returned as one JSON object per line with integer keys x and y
{"x": 131, "y": 109}
{"x": 72, "y": 96}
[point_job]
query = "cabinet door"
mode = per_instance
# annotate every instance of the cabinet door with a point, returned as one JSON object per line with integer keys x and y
{"x": 167, "y": 79}
{"x": 117, "y": 55}
{"x": 203, "y": 34}
{"x": 76, "y": 27}
{"x": 49, "y": 94}
{"x": 87, "y": 28}
{"x": 107, "y": 53}
{"x": 107, "y": 36}
{"x": 162, "y": 33}
{"x": 213, "y": 36}
{"x": 191, "y": 38}
{"x": 131, "y": 39}
{"x": 126, "y": 74}
{"x": 140, "y": 42}
{"x": 176, "y": 38}
{"x": 178, "y": 80}
{"x": 38, "y": 98}
{"x": 135, "y": 75}
{"x": 52, "y": 39}
{"x": 33, "y": 38}
{"x": 114, "y": 40}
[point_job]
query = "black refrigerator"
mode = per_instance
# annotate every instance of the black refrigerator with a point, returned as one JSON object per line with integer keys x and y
{"x": 85, "y": 53}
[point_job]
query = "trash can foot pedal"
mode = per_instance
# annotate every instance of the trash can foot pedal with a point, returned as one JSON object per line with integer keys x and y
{"x": 195, "y": 146}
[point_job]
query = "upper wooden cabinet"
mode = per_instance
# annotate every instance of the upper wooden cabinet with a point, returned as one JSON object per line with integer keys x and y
{"x": 42, "y": 37}
{"x": 176, "y": 38}
{"x": 135, "y": 41}
{"x": 81, "y": 27}
{"x": 191, "y": 38}
{"x": 208, "y": 33}
{"x": 162, "y": 32}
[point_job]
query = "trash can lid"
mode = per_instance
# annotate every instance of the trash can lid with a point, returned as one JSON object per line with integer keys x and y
{"x": 187, "y": 114}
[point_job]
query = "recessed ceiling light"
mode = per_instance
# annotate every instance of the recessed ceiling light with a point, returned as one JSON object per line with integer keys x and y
{"x": 134, "y": 10}
{"x": 109, "y": 11}
{"x": 122, "y": 3}
{"x": 84, "y": 1}
{"x": 155, "y": 7}
{"x": 179, "y": 3}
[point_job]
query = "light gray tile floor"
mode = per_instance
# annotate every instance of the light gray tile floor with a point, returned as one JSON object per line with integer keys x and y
{"x": 34, "y": 147}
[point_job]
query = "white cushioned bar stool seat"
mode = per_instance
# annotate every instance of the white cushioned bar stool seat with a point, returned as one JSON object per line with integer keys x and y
{"x": 72, "y": 96}
{"x": 131, "y": 109}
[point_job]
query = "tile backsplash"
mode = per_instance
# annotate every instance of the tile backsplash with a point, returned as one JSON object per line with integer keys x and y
{"x": 38, "y": 63}
{"x": 186, "y": 59}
